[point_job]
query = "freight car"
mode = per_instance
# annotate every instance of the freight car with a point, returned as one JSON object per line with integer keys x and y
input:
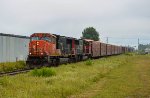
{"x": 103, "y": 49}
{"x": 96, "y": 49}
{"x": 109, "y": 49}
{"x": 51, "y": 49}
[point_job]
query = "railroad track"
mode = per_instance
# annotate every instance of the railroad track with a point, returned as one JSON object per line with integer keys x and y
{"x": 14, "y": 72}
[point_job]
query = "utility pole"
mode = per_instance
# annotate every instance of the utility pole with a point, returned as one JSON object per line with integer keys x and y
{"x": 107, "y": 40}
{"x": 138, "y": 43}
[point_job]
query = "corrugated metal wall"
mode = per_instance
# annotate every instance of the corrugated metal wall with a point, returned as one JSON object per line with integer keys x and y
{"x": 13, "y": 48}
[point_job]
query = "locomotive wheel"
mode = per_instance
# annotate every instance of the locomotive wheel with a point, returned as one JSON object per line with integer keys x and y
{"x": 46, "y": 64}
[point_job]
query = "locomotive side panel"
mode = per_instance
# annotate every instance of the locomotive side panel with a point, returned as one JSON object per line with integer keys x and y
{"x": 79, "y": 47}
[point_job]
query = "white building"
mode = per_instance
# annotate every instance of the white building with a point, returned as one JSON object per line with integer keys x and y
{"x": 13, "y": 47}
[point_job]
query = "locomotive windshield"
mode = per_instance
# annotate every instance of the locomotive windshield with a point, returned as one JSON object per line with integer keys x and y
{"x": 35, "y": 38}
{"x": 43, "y": 38}
{"x": 49, "y": 39}
{"x": 46, "y": 38}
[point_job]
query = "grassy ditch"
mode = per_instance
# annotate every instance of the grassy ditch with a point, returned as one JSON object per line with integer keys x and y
{"x": 11, "y": 66}
{"x": 70, "y": 79}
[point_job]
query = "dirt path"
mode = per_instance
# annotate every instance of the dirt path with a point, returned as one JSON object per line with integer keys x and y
{"x": 131, "y": 80}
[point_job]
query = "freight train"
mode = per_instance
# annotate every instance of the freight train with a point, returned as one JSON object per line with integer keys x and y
{"x": 47, "y": 49}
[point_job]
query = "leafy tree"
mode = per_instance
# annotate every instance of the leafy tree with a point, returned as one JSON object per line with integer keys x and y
{"x": 90, "y": 33}
{"x": 143, "y": 47}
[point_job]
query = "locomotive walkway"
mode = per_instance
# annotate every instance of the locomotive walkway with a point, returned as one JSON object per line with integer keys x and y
{"x": 129, "y": 81}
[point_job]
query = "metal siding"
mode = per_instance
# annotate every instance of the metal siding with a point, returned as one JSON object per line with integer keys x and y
{"x": 12, "y": 55}
{"x": 4, "y": 49}
{"x": 26, "y": 50}
{"x": 16, "y": 48}
{"x": 22, "y": 48}
{"x": 13, "y": 48}
{"x": 1, "y": 49}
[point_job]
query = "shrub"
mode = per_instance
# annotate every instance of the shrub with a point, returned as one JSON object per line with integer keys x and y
{"x": 89, "y": 62}
{"x": 44, "y": 72}
{"x": 129, "y": 54}
{"x": 20, "y": 65}
{"x": 7, "y": 67}
{"x": 11, "y": 66}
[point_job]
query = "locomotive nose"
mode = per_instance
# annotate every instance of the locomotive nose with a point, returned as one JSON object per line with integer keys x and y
{"x": 36, "y": 48}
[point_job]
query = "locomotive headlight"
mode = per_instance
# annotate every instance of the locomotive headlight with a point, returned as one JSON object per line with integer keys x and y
{"x": 37, "y": 43}
{"x": 41, "y": 53}
{"x": 30, "y": 53}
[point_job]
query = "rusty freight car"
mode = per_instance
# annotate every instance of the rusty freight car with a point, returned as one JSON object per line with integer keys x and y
{"x": 96, "y": 49}
{"x": 103, "y": 49}
{"x": 109, "y": 49}
{"x": 113, "y": 49}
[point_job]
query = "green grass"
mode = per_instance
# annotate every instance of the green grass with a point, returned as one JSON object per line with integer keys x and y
{"x": 129, "y": 81}
{"x": 11, "y": 66}
{"x": 43, "y": 72}
{"x": 89, "y": 62}
{"x": 111, "y": 77}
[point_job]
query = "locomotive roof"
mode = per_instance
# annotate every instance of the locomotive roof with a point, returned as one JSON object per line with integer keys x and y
{"x": 43, "y": 34}
{"x": 66, "y": 37}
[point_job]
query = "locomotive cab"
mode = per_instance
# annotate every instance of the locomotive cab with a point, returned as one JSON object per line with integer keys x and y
{"x": 42, "y": 47}
{"x": 42, "y": 44}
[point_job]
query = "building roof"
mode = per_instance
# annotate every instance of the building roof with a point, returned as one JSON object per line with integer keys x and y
{"x": 12, "y": 35}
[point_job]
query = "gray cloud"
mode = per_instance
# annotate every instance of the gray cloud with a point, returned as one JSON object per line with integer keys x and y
{"x": 115, "y": 18}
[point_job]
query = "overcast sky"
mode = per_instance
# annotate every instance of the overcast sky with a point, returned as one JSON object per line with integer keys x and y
{"x": 111, "y": 18}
